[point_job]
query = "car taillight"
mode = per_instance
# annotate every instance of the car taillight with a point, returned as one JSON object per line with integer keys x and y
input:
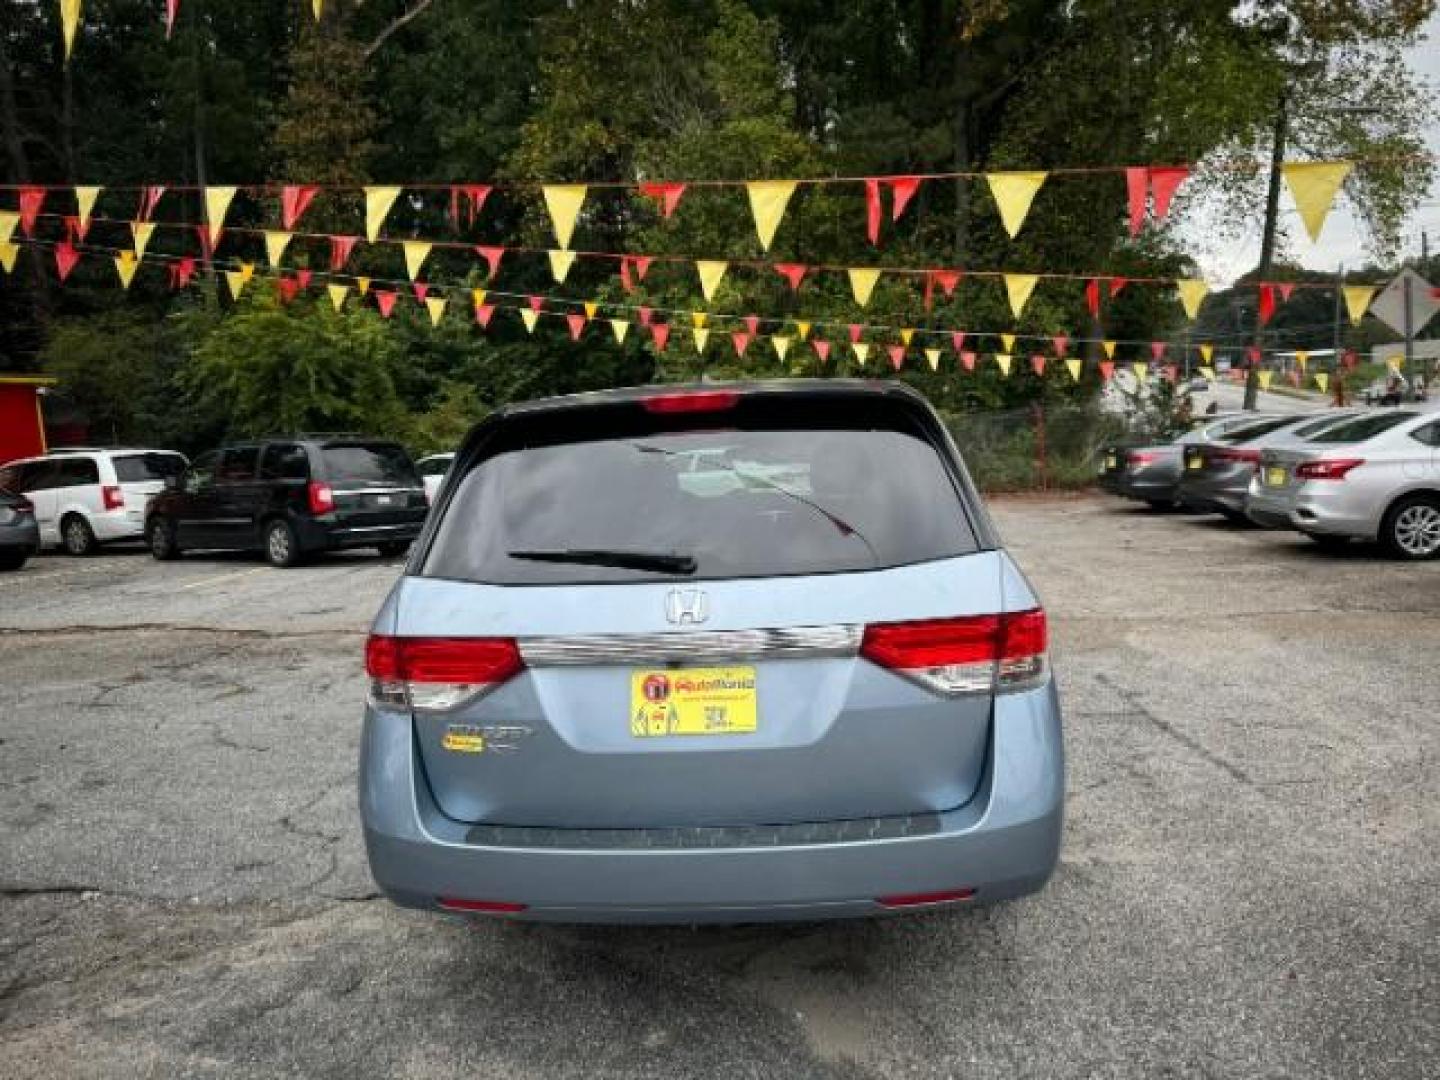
{"x": 322, "y": 497}
{"x": 114, "y": 498}
{"x": 437, "y": 673}
{"x": 1251, "y": 457}
{"x": 24, "y": 506}
{"x": 1138, "y": 458}
{"x": 969, "y": 655}
{"x": 1334, "y": 469}
{"x": 483, "y": 907}
{"x": 699, "y": 401}
{"x": 949, "y": 896}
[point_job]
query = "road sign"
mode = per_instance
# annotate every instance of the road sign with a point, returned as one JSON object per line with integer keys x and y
{"x": 1389, "y": 306}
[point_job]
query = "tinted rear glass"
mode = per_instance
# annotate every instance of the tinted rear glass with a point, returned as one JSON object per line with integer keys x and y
{"x": 1315, "y": 426}
{"x": 1363, "y": 428}
{"x": 369, "y": 461}
{"x": 741, "y": 503}
{"x": 137, "y": 468}
{"x": 1254, "y": 431}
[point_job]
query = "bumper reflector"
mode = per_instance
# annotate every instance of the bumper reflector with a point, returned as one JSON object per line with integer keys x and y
{"x": 905, "y": 900}
{"x": 484, "y": 907}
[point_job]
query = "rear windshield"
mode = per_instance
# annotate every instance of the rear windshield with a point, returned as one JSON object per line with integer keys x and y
{"x": 1254, "y": 431}
{"x": 1363, "y": 428}
{"x": 369, "y": 461}
{"x": 137, "y": 468}
{"x": 1315, "y": 426}
{"x": 734, "y": 503}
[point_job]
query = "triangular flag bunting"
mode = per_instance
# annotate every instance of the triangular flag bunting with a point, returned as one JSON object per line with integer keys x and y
{"x": 702, "y": 338}
{"x": 560, "y": 263}
{"x": 1322, "y": 380}
{"x": 768, "y": 199}
{"x": 295, "y": 199}
{"x": 275, "y": 244}
{"x": 1073, "y": 366}
{"x": 902, "y": 190}
{"x": 576, "y": 322}
{"x": 69, "y": 23}
{"x": 967, "y": 360}
{"x": 1109, "y": 347}
{"x": 8, "y": 220}
{"x": 1208, "y": 372}
{"x": 1037, "y": 364}
{"x": 822, "y": 349}
{"x": 1157, "y": 349}
{"x": 236, "y": 281}
{"x": 529, "y": 317}
{"x": 667, "y": 195}
{"x": 862, "y": 351}
{"x": 698, "y": 319}
{"x": 906, "y": 336}
{"x": 1192, "y": 293}
{"x": 1265, "y": 377}
{"x": 32, "y": 199}
{"x": 141, "y": 231}
{"x": 1357, "y": 301}
{"x": 781, "y": 344}
{"x": 337, "y": 295}
{"x": 85, "y": 202}
{"x": 8, "y": 252}
{"x": 422, "y": 290}
{"x": 710, "y": 271}
{"x": 897, "y": 355}
{"x": 802, "y": 329}
{"x": 1007, "y": 342}
{"x": 862, "y": 283}
{"x": 217, "y": 205}
{"x": 1313, "y": 185}
{"x": 619, "y": 327}
{"x": 591, "y": 307}
{"x": 125, "y": 265}
{"x": 416, "y": 252}
{"x": 1018, "y": 288}
{"x": 491, "y": 255}
{"x": 1163, "y": 182}
{"x": 1141, "y": 369}
{"x": 362, "y": 285}
{"x": 436, "y": 306}
{"x": 1107, "y": 369}
{"x": 932, "y": 356}
{"x": 317, "y": 7}
{"x": 1004, "y": 360}
{"x": 752, "y": 323}
{"x": 660, "y": 335}
{"x": 340, "y": 249}
{"x": 1302, "y": 358}
{"x": 741, "y": 340}
{"x": 172, "y": 9}
{"x": 483, "y": 314}
{"x": 1013, "y": 192}
{"x": 563, "y": 201}
{"x": 1206, "y": 352}
{"x": 378, "y": 201}
{"x": 1060, "y": 343}
{"x": 794, "y": 273}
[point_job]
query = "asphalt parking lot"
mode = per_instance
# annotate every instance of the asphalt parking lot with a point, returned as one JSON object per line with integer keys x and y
{"x": 1248, "y": 886}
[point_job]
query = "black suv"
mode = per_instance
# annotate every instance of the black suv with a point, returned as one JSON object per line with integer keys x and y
{"x": 291, "y": 497}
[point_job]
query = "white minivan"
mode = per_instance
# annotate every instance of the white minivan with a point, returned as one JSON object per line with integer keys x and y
{"x": 87, "y": 497}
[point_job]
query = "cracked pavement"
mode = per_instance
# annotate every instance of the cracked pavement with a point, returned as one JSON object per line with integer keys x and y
{"x": 1248, "y": 886}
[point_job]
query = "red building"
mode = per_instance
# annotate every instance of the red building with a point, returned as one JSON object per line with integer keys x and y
{"x": 22, "y": 423}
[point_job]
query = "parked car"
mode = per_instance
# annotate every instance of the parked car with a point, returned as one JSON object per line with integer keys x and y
{"x": 432, "y": 470}
{"x": 1151, "y": 473}
{"x": 602, "y": 694}
{"x": 87, "y": 497}
{"x": 292, "y": 497}
{"x": 1375, "y": 477}
{"x": 19, "y": 534}
{"x": 1216, "y": 476}
{"x": 1393, "y": 389}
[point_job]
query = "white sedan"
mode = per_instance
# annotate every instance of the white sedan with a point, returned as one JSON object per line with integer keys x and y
{"x": 432, "y": 473}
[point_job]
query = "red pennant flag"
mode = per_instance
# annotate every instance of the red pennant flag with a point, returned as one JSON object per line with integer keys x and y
{"x": 172, "y": 8}
{"x": 149, "y": 197}
{"x": 957, "y": 340}
{"x": 577, "y": 325}
{"x": 1267, "y": 303}
{"x": 897, "y": 355}
{"x": 474, "y": 196}
{"x": 303, "y": 276}
{"x": 295, "y": 199}
{"x": 794, "y": 273}
{"x": 967, "y": 360}
{"x": 642, "y": 265}
{"x": 1116, "y": 284}
{"x": 65, "y": 258}
{"x": 492, "y": 256}
{"x": 32, "y": 199}
{"x": 1252, "y": 356}
{"x": 902, "y": 190}
{"x": 1285, "y": 290}
{"x": 483, "y": 312}
{"x": 1136, "y": 188}
{"x": 286, "y": 288}
{"x": 75, "y": 229}
{"x": 946, "y": 279}
{"x": 872, "y": 210}
{"x": 181, "y": 272}
{"x": 856, "y": 329}
{"x": 422, "y": 290}
{"x": 752, "y": 323}
{"x": 741, "y": 340}
{"x": 821, "y": 347}
{"x": 1037, "y": 364}
{"x": 660, "y": 332}
{"x": 625, "y": 282}
{"x": 537, "y": 303}
{"x": 667, "y": 195}
{"x": 1172, "y": 372}
{"x": 1107, "y": 369}
{"x": 340, "y": 249}
{"x": 1163, "y": 182}
{"x": 644, "y": 316}
{"x": 1061, "y": 342}
{"x": 1157, "y": 349}
{"x": 1092, "y": 297}
{"x": 385, "y": 301}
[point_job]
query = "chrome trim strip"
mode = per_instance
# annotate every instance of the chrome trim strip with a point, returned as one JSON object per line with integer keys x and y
{"x": 800, "y": 642}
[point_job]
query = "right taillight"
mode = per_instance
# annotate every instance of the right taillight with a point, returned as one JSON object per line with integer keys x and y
{"x": 972, "y": 654}
{"x": 322, "y": 497}
{"x": 1332, "y": 469}
{"x": 437, "y": 673}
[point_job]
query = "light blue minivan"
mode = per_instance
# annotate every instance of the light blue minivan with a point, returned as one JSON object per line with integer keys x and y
{"x": 710, "y": 653}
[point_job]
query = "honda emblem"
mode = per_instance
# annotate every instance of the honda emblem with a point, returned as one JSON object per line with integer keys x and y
{"x": 684, "y": 606}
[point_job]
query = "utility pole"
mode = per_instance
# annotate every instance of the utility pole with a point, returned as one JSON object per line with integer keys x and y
{"x": 1267, "y": 241}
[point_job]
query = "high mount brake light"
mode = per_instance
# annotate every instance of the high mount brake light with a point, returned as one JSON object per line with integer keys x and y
{"x": 437, "y": 673}
{"x": 1333, "y": 469}
{"x": 973, "y": 654}
{"x": 701, "y": 401}
{"x": 322, "y": 497}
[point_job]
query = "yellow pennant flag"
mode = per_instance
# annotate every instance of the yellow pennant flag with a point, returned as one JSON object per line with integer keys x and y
{"x": 1192, "y": 291}
{"x": 236, "y": 281}
{"x": 477, "y": 297}
{"x": 1007, "y": 341}
{"x": 436, "y": 306}
{"x": 698, "y": 319}
{"x": 275, "y": 244}
{"x": 560, "y": 263}
{"x": 1014, "y": 191}
{"x": 802, "y": 329}
{"x": 1313, "y": 185}
{"x": 1018, "y": 288}
{"x": 529, "y": 318}
{"x": 1004, "y": 360}
{"x": 378, "y": 201}
{"x": 1395, "y": 363}
{"x": 142, "y": 231}
{"x": 1073, "y": 366}
{"x": 1208, "y": 372}
{"x": 247, "y": 271}
{"x": 416, "y": 252}
{"x": 1109, "y": 347}
{"x": 932, "y": 356}
{"x": 69, "y": 23}
{"x": 8, "y": 220}
{"x": 1322, "y": 380}
{"x": 1206, "y": 352}
{"x": 1265, "y": 377}
{"x": 318, "y": 7}
{"x": 702, "y": 338}
{"x": 862, "y": 283}
{"x": 1141, "y": 369}
{"x": 907, "y": 336}
{"x": 768, "y": 199}
{"x": 1302, "y": 358}
{"x": 362, "y": 285}
{"x": 337, "y": 295}
{"x": 591, "y": 307}
{"x": 619, "y": 327}
{"x": 1357, "y": 301}
{"x": 710, "y": 271}
{"x": 125, "y": 265}
{"x": 85, "y": 201}
{"x": 563, "y": 201}
{"x": 862, "y": 351}
{"x": 782, "y": 345}
{"x": 217, "y": 205}
{"x": 8, "y": 251}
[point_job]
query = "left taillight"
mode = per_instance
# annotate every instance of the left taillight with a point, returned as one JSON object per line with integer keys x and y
{"x": 322, "y": 497}
{"x": 973, "y": 654}
{"x": 1327, "y": 468}
{"x": 113, "y": 496}
{"x": 436, "y": 674}
{"x": 24, "y": 506}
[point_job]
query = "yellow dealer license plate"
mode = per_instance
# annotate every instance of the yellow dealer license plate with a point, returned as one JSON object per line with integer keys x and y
{"x": 692, "y": 701}
{"x": 1276, "y": 475}
{"x": 1194, "y": 461}
{"x": 1111, "y": 461}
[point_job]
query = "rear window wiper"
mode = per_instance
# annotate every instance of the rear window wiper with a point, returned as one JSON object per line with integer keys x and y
{"x": 659, "y": 561}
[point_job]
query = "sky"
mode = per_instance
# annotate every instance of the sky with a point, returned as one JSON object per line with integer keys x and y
{"x": 1343, "y": 239}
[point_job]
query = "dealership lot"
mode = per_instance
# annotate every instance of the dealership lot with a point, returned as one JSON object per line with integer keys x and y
{"x": 1248, "y": 885}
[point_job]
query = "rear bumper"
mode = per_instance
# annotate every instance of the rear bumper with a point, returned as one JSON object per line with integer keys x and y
{"x": 1268, "y": 512}
{"x": 26, "y": 537}
{"x": 321, "y": 535}
{"x": 1215, "y": 496}
{"x": 1003, "y": 844}
{"x": 126, "y": 524}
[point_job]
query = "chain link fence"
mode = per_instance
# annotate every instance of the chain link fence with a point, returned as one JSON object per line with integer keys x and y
{"x": 1037, "y": 448}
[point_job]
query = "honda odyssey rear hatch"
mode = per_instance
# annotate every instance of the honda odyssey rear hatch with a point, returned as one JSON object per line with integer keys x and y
{"x": 713, "y": 607}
